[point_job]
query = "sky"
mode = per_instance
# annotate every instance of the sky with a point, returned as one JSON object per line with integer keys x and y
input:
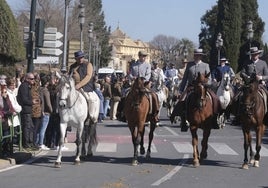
{"x": 145, "y": 19}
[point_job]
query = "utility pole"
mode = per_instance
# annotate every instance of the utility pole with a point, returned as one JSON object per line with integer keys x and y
{"x": 30, "y": 54}
{"x": 64, "y": 62}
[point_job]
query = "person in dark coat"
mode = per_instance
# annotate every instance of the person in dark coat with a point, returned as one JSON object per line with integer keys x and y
{"x": 26, "y": 101}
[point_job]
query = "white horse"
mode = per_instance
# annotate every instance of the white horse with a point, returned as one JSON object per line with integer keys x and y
{"x": 173, "y": 87}
{"x": 161, "y": 91}
{"x": 73, "y": 110}
{"x": 225, "y": 94}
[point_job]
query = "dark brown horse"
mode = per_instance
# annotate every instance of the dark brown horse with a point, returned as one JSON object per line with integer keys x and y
{"x": 252, "y": 112}
{"x": 199, "y": 113}
{"x": 136, "y": 109}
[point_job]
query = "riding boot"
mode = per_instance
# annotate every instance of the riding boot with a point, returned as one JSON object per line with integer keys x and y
{"x": 215, "y": 124}
{"x": 184, "y": 125}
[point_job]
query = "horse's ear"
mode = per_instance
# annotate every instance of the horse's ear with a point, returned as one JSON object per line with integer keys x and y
{"x": 207, "y": 74}
{"x": 58, "y": 75}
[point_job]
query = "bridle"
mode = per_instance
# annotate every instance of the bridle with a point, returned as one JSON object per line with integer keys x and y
{"x": 66, "y": 99}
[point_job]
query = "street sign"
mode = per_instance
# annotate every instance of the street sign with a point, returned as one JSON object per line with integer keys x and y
{"x": 53, "y": 36}
{"x": 51, "y": 51}
{"x": 51, "y": 30}
{"x": 52, "y": 44}
{"x": 46, "y": 60}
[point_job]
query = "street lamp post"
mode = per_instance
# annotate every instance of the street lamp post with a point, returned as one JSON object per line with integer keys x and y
{"x": 81, "y": 18}
{"x": 94, "y": 50}
{"x": 219, "y": 44}
{"x": 250, "y": 32}
{"x": 63, "y": 67}
{"x": 90, "y": 37}
{"x": 185, "y": 53}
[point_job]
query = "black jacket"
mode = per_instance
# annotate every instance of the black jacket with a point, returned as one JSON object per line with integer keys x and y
{"x": 24, "y": 98}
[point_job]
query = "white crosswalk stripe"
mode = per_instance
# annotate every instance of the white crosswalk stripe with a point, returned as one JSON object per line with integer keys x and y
{"x": 180, "y": 147}
{"x": 106, "y": 147}
{"x": 153, "y": 148}
{"x": 183, "y": 147}
{"x": 264, "y": 152}
{"x": 223, "y": 149}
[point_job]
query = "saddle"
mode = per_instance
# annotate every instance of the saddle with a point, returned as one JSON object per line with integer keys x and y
{"x": 153, "y": 100}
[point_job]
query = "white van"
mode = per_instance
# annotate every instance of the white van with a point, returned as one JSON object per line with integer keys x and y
{"x": 102, "y": 72}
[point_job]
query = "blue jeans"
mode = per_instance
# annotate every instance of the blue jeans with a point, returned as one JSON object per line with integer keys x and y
{"x": 41, "y": 133}
{"x": 106, "y": 104}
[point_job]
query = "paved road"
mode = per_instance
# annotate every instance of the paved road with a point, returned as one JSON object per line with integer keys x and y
{"x": 170, "y": 165}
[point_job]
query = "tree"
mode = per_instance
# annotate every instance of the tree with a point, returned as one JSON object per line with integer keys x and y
{"x": 206, "y": 39}
{"x": 230, "y": 17}
{"x": 11, "y": 48}
{"x": 229, "y": 25}
{"x": 95, "y": 15}
{"x": 250, "y": 12}
{"x": 165, "y": 44}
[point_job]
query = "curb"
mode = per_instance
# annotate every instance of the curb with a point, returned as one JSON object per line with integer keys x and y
{"x": 17, "y": 158}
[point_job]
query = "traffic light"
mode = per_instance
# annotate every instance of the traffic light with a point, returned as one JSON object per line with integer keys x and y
{"x": 39, "y": 32}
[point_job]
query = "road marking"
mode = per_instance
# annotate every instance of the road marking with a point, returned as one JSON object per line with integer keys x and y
{"x": 106, "y": 147}
{"x": 172, "y": 132}
{"x": 264, "y": 152}
{"x": 172, "y": 172}
{"x": 222, "y": 149}
{"x": 183, "y": 147}
{"x": 30, "y": 161}
{"x": 153, "y": 147}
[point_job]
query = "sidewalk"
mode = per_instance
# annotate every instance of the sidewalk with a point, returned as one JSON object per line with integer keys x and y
{"x": 18, "y": 157}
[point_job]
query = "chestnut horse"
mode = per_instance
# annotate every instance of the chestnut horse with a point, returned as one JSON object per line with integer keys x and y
{"x": 136, "y": 109}
{"x": 199, "y": 113}
{"x": 252, "y": 112}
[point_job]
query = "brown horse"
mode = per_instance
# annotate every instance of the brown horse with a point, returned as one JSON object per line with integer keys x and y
{"x": 199, "y": 113}
{"x": 252, "y": 112}
{"x": 136, "y": 109}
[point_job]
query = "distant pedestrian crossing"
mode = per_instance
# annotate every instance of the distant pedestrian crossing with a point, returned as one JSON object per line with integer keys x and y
{"x": 180, "y": 147}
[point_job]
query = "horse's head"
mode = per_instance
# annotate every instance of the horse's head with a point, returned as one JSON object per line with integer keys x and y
{"x": 226, "y": 81}
{"x": 67, "y": 87}
{"x": 138, "y": 85}
{"x": 200, "y": 88}
{"x": 249, "y": 97}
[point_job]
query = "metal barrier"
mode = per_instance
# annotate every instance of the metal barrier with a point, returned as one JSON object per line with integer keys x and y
{"x": 14, "y": 131}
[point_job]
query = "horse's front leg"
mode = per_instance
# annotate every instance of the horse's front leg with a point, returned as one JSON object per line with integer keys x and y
{"x": 63, "y": 127}
{"x": 151, "y": 136}
{"x": 259, "y": 135}
{"x": 135, "y": 142}
{"x": 195, "y": 146}
{"x": 141, "y": 133}
{"x": 78, "y": 142}
{"x": 204, "y": 143}
{"x": 247, "y": 144}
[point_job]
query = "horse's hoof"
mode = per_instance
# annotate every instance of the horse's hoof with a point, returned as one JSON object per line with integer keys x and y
{"x": 57, "y": 164}
{"x": 148, "y": 156}
{"x": 142, "y": 151}
{"x": 196, "y": 163}
{"x": 76, "y": 162}
{"x": 252, "y": 161}
{"x": 135, "y": 162}
{"x": 256, "y": 164}
{"x": 245, "y": 166}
